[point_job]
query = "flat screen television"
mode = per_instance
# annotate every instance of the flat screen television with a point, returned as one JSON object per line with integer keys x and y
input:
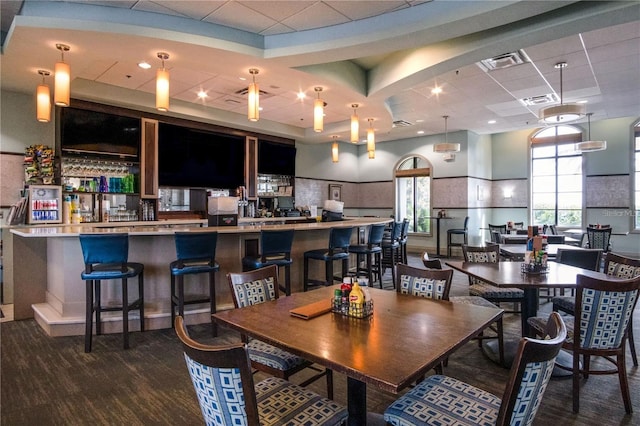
{"x": 194, "y": 158}
{"x": 92, "y": 132}
{"x": 276, "y": 159}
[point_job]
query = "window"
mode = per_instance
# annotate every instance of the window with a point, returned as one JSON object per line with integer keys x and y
{"x": 413, "y": 193}
{"x": 636, "y": 134}
{"x": 556, "y": 177}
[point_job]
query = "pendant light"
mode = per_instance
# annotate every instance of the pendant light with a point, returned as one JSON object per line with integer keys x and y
{"x": 562, "y": 113}
{"x": 162, "y": 84}
{"x": 355, "y": 125}
{"x": 590, "y": 145}
{"x": 446, "y": 147}
{"x": 253, "y": 113}
{"x": 43, "y": 99}
{"x": 62, "y": 79}
{"x": 371, "y": 140}
{"x": 318, "y": 112}
{"x": 334, "y": 150}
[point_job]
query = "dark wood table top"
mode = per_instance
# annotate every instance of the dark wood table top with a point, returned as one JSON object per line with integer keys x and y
{"x": 508, "y": 274}
{"x": 517, "y": 250}
{"x": 404, "y": 338}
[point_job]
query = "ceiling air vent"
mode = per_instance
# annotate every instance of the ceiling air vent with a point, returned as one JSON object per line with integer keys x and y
{"x": 505, "y": 60}
{"x": 549, "y": 98}
{"x": 401, "y": 123}
{"x": 245, "y": 91}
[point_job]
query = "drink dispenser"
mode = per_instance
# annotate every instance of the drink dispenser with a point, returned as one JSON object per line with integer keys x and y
{"x": 223, "y": 211}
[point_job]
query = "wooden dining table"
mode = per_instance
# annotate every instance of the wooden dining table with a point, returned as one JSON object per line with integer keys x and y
{"x": 404, "y": 338}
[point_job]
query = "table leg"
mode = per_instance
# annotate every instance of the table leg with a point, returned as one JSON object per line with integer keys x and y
{"x": 438, "y": 237}
{"x": 529, "y": 309}
{"x": 356, "y": 402}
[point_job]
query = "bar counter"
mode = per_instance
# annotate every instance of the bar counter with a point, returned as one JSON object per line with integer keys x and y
{"x": 47, "y": 261}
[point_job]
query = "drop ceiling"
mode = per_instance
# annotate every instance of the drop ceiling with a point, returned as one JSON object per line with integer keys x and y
{"x": 385, "y": 56}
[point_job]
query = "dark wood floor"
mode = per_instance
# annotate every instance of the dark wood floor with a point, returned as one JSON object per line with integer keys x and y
{"x": 51, "y": 381}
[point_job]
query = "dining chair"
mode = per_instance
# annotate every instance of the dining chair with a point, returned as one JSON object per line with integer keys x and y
{"x": 599, "y": 327}
{"x": 616, "y": 266}
{"x": 453, "y": 232}
{"x": 440, "y": 400}
{"x": 338, "y": 249}
{"x": 106, "y": 258}
{"x": 599, "y": 238}
{"x": 555, "y": 239}
{"x": 275, "y": 249}
{"x": 371, "y": 252}
{"x": 195, "y": 254}
{"x": 490, "y": 254}
{"x": 430, "y": 263}
{"x": 580, "y": 258}
{"x": 496, "y": 230}
{"x": 518, "y": 225}
{"x": 259, "y": 286}
{"x": 227, "y": 395}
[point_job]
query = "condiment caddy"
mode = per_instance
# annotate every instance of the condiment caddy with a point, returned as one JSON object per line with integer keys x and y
{"x": 352, "y": 300}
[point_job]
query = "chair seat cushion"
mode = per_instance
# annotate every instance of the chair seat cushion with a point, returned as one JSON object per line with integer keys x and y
{"x": 472, "y": 300}
{"x": 442, "y": 400}
{"x": 282, "y": 403}
{"x": 113, "y": 271}
{"x": 489, "y": 291}
{"x": 192, "y": 267}
{"x": 255, "y": 262}
{"x": 323, "y": 254}
{"x": 566, "y": 303}
{"x": 272, "y": 356}
{"x": 364, "y": 249}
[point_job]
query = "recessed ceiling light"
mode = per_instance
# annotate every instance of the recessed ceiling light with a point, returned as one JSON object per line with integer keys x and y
{"x": 301, "y": 95}
{"x": 242, "y": 78}
{"x": 420, "y": 132}
{"x": 144, "y": 65}
{"x": 582, "y": 102}
{"x": 202, "y": 94}
{"x": 491, "y": 121}
{"x": 436, "y": 90}
{"x": 419, "y": 121}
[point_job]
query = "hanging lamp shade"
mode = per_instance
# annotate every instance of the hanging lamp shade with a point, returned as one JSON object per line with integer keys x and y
{"x": 43, "y": 99}
{"x": 162, "y": 85}
{"x": 371, "y": 140}
{"x": 562, "y": 113}
{"x": 590, "y": 145}
{"x": 334, "y": 150}
{"x": 318, "y": 112}
{"x": 253, "y": 112}
{"x": 355, "y": 125}
{"x": 62, "y": 79}
{"x": 446, "y": 147}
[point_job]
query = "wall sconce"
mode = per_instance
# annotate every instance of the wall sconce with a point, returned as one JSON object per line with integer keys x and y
{"x": 371, "y": 140}
{"x": 162, "y": 85}
{"x": 334, "y": 150}
{"x": 355, "y": 125}
{"x": 62, "y": 79}
{"x": 508, "y": 194}
{"x": 318, "y": 112}
{"x": 43, "y": 99}
{"x": 254, "y": 97}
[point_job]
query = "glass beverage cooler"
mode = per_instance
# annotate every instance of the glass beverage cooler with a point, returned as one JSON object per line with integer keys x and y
{"x": 45, "y": 204}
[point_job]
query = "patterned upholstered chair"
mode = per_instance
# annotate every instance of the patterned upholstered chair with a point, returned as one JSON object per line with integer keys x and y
{"x": 223, "y": 381}
{"x": 616, "y": 266}
{"x": 489, "y": 254}
{"x": 259, "y": 286}
{"x": 599, "y": 328}
{"x": 599, "y": 238}
{"x": 440, "y": 400}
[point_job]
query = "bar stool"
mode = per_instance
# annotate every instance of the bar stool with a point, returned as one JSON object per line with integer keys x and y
{"x": 275, "y": 249}
{"x": 339, "y": 240}
{"x": 464, "y": 231}
{"x": 404, "y": 238}
{"x": 196, "y": 253}
{"x": 391, "y": 250}
{"x": 372, "y": 252}
{"x": 106, "y": 258}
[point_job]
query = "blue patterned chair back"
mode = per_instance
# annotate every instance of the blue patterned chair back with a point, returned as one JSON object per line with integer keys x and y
{"x": 196, "y": 245}
{"x": 621, "y": 267}
{"x": 427, "y": 283}
{"x": 276, "y": 243}
{"x": 104, "y": 249}
{"x": 222, "y": 379}
{"x": 339, "y": 239}
{"x": 599, "y": 238}
{"x": 530, "y": 374}
{"x": 604, "y": 310}
{"x": 486, "y": 254}
{"x": 253, "y": 287}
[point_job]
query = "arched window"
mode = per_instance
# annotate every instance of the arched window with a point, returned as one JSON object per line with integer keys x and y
{"x": 556, "y": 177}
{"x": 413, "y": 193}
{"x": 636, "y": 181}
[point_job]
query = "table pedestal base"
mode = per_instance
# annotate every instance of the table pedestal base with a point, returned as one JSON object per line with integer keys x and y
{"x": 564, "y": 359}
{"x": 490, "y": 349}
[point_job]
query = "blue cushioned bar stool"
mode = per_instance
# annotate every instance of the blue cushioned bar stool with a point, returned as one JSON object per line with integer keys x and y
{"x": 371, "y": 252}
{"x": 339, "y": 240}
{"x": 106, "y": 258}
{"x": 275, "y": 249}
{"x": 391, "y": 250}
{"x": 196, "y": 254}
